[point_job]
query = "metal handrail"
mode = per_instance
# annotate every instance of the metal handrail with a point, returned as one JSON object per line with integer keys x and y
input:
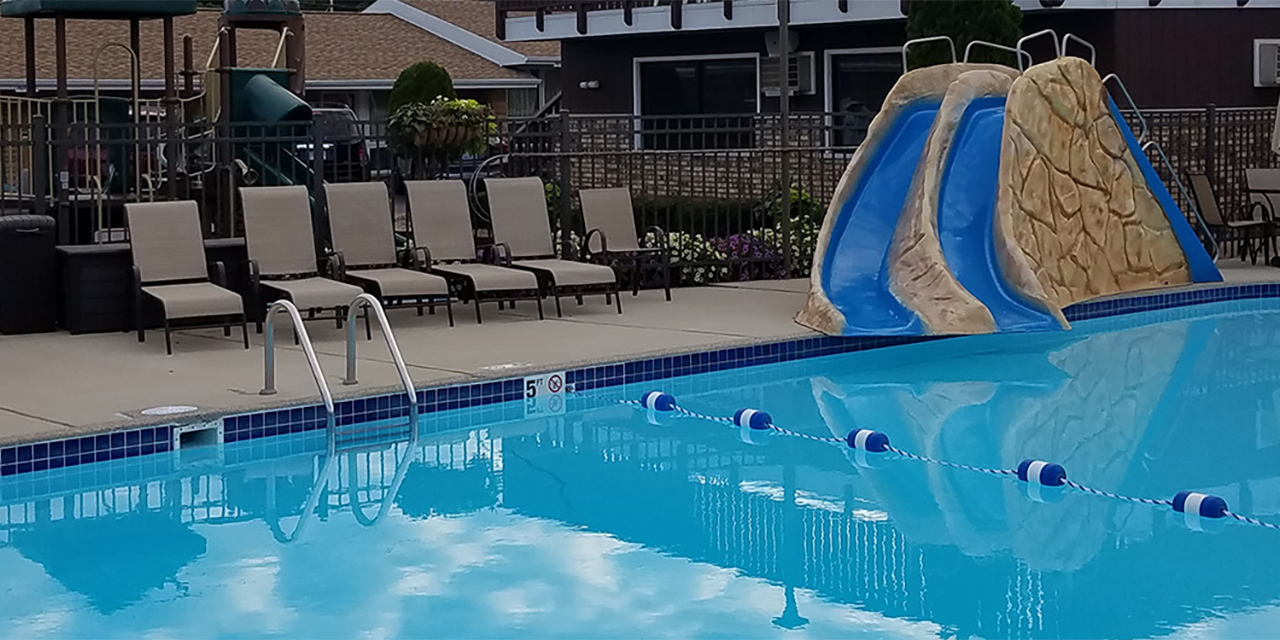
{"x": 1124, "y": 91}
{"x": 907, "y": 45}
{"x": 968, "y": 49}
{"x": 1182, "y": 189}
{"x": 1057, "y": 46}
{"x": 1093, "y": 51}
{"x": 366, "y": 300}
{"x": 269, "y": 364}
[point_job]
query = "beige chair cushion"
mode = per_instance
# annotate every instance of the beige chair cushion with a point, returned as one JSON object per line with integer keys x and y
{"x": 316, "y": 293}
{"x": 518, "y": 209}
{"x": 277, "y": 228}
{"x": 488, "y": 278}
{"x": 571, "y": 274}
{"x": 398, "y": 283}
{"x": 609, "y": 210}
{"x": 195, "y": 300}
{"x": 166, "y": 241}
{"x": 360, "y": 221}
{"x": 441, "y": 219}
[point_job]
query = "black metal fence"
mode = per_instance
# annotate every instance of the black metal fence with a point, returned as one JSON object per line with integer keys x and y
{"x": 714, "y": 183}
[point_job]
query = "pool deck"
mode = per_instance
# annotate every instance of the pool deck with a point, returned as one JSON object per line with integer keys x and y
{"x": 58, "y": 385}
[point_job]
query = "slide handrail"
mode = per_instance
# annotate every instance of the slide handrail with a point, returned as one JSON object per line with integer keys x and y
{"x": 908, "y": 44}
{"x": 968, "y": 50}
{"x": 1057, "y": 46}
{"x": 1112, "y": 78}
{"x": 1186, "y": 196}
{"x": 1093, "y": 51}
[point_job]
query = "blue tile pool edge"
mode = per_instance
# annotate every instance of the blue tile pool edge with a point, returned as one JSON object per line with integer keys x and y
{"x": 70, "y": 452}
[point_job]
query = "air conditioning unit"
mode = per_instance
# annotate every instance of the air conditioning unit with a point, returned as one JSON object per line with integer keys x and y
{"x": 800, "y": 78}
{"x": 1266, "y": 63}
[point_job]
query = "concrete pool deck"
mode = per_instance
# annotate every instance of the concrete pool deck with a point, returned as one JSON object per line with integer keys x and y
{"x": 58, "y": 385}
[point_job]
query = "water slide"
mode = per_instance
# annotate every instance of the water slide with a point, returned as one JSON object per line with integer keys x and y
{"x": 966, "y": 225}
{"x": 970, "y": 208}
{"x": 857, "y": 272}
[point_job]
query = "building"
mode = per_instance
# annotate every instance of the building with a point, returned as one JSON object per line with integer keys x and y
{"x": 655, "y": 58}
{"x": 352, "y": 58}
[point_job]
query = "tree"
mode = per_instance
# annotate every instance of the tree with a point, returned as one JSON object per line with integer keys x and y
{"x": 995, "y": 21}
{"x": 421, "y": 82}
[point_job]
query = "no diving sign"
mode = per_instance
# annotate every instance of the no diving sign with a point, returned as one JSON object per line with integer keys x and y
{"x": 544, "y": 395}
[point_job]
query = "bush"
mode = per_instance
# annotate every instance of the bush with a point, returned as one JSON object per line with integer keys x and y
{"x": 996, "y": 21}
{"x": 421, "y": 82}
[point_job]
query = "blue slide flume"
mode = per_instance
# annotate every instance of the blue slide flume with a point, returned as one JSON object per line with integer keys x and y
{"x": 966, "y": 218}
{"x": 856, "y": 274}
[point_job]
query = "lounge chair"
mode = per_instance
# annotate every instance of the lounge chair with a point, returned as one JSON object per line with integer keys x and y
{"x": 1252, "y": 233}
{"x": 169, "y": 270}
{"x": 611, "y": 236}
{"x": 441, "y": 221}
{"x": 282, "y": 254}
{"x": 364, "y": 246}
{"x": 522, "y": 236}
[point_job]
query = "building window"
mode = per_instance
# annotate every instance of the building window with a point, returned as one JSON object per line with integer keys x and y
{"x": 698, "y": 104}
{"x": 522, "y": 103}
{"x": 859, "y": 83}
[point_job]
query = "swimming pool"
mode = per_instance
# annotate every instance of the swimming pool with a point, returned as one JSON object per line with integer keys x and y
{"x": 598, "y": 523}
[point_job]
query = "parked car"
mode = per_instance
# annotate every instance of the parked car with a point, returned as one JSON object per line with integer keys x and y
{"x": 346, "y": 151}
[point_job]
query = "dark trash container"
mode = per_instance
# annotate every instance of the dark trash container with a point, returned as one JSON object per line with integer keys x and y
{"x": 28, "y": 300}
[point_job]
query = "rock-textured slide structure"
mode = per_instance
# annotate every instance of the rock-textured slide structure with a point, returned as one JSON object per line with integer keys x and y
{"x": 986, "y": 200}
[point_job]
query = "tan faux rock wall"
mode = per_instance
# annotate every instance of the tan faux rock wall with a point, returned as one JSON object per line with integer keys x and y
{"x": 1074, "y": 217}
{"x": 918, "y": 273}
{"x": 928, "y": 83}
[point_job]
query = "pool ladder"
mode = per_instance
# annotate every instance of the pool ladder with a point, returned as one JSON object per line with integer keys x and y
{"x": 365, "y": 301}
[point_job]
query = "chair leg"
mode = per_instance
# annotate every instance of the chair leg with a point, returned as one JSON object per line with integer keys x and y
{"x": 168, "y": 342}
{"x": 666, "y": 279}
{"x": 244, "y": 330}
{"x": 226, "y": 330}
{"x": 433, "y": 310}
{"x": 559, "y": 313}
{"x": 617, "y": 297}
{"x": 540, "y": 316}
{"x": 448, "y": 307}
{"x": 476, "y": 299}
{"x": 137, "y": 320}
{"x": 579, "y": 299}
{"x": 368, "y": 332}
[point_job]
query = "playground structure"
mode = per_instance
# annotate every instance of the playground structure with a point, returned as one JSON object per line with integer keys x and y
{"x": 80, "y": 158}
{"x": 988, "y": 198}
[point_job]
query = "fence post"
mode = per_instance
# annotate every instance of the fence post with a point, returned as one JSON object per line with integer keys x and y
{"x": 40, "y": 164}
{"x": 1211, "y": 142}
{"x": 566, "y": 212}
{"x": 319, "y": 212}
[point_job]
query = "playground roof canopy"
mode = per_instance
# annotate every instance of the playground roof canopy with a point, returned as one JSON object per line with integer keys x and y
{"x": 97, "y": 9}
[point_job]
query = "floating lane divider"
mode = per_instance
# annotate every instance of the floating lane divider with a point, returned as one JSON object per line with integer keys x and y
{"x": 1042, "y": 481}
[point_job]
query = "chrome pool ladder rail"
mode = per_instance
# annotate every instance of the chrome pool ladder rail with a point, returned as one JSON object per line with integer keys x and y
{"x": 911, "y": 43}
{"x": 370, "y": 302}
{"x": 1186, "y": 196}
{"x": 269, "y": 360}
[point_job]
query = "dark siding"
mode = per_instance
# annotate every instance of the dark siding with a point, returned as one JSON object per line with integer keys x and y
{"x": 1166, "y": 57}
{"x": 1189, "y": 57}
{"x": 610, "y": 60}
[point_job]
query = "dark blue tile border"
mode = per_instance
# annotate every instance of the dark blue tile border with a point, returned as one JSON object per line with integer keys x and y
{"x": 27, "y": 458}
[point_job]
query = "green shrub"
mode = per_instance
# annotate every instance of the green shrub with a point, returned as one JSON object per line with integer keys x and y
{"x": 421, "y": 82}
{"x": 996, "y": 21}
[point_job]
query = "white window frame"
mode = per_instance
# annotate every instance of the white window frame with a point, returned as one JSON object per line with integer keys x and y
{"x": 828, "y": 87}
{"x": 635, "y": 80}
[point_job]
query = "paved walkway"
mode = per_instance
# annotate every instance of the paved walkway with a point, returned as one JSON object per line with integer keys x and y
{"x": 58, "y": 385}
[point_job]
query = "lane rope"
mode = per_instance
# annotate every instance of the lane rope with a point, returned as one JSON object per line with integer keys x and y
{"x": 1041, "y": 478}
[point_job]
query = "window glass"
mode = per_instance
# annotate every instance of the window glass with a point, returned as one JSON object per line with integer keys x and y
{"x": 710, "y": 101}
{"x": 859, "y": 84}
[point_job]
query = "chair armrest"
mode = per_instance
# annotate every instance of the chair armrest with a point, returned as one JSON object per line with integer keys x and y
{"x": 660, "y": 236}
{"x": 422, "y": 259}
{"x": 219, "y": 273}
{"x": 498, "y": 253}
{"x": 585, "y": 250}
{"x": 337, "y": 266}
{"x": 1259, "y": 207}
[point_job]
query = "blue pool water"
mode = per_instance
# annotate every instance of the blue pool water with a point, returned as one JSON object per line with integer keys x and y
{"x": 599, "y": 524}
